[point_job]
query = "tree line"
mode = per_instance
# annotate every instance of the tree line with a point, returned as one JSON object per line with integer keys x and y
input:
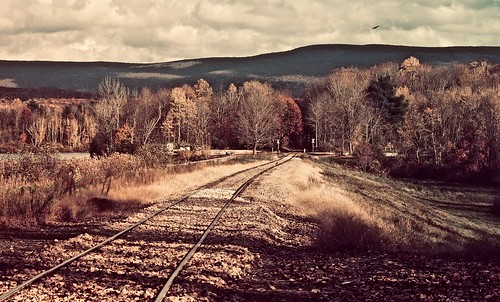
{"x": 441, "y": 121}
{"x": 253, "y": 115}
{"x": 438, "y": 120}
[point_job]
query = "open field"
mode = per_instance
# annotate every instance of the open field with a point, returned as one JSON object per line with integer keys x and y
{"x": 359, "y": 211}
{"x": 310, "y": 230}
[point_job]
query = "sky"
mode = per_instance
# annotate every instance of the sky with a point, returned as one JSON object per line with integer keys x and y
{"x": 165, "y": 30}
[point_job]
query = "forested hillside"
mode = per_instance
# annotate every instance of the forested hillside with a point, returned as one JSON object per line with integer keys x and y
{"x": 440, "y": 121}
{"x": 291, "y": 70}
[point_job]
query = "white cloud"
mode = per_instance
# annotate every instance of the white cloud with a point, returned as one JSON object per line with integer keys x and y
{"x": 163, "y": 30}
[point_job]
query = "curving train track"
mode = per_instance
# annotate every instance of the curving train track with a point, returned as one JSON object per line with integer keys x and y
{"x": 145, "y": 254}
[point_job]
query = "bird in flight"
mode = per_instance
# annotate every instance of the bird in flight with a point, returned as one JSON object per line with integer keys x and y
{"x": 375, "y": 27}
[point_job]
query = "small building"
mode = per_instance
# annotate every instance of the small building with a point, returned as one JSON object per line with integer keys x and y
{"x": 390, "y": 150}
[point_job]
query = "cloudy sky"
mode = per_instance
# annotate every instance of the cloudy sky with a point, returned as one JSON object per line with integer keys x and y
{"x": 165, "y": 30}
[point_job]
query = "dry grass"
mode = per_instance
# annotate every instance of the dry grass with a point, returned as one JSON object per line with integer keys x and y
{"x": 429, "y": 217}
{"x": 343, "y": 223}
{"x": 360, "y": 211}
{"x": 146, "y": 188}
{"x": 37, "y": 189}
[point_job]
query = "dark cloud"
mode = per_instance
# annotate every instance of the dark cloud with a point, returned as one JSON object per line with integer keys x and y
{"x": 163, "y": 30}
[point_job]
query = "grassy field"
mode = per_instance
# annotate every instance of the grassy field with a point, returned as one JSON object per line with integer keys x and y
{"x": 364, "y": 211}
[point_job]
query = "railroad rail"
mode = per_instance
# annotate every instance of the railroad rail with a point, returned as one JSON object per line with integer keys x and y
{"x": 163, "y": 292}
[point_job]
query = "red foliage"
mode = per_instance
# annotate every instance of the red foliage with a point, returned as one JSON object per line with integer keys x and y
{"x": 290, "y": 117}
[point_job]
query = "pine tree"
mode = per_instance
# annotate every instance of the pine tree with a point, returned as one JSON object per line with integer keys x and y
{"x": 382, "y": 95}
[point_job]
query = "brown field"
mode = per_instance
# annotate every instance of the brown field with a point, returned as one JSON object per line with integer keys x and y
{"x": 354, "y": 210}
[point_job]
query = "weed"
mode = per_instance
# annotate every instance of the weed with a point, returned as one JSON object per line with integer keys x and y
{"x": 35, "y": 189}
{"x": 344, "y": 230}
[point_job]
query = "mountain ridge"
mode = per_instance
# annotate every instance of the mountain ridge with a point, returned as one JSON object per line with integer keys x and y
{"x": 291, "y": 69}
{"x": 266, "y": 54}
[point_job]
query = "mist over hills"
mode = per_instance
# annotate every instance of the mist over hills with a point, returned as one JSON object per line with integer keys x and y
{"x": 289, "y": 70}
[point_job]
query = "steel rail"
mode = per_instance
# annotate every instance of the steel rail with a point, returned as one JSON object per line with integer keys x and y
{"x": 189, "y": 255}
{"x": 88, "y": 251}
{"x": 16, "y": 289}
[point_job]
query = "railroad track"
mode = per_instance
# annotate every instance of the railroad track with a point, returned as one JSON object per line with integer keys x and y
{"x": 147, "y": 252}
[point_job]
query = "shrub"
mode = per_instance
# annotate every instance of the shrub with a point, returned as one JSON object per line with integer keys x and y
{"x": 346, "y": 230}
{"x": 115, "y": 166}
{"x": 184, "y": 156}
{"x": 31, "y": 184}
{"x": 369, "y": 158}
{"x": 155, "y": 155}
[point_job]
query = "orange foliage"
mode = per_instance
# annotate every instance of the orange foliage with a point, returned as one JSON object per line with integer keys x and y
{"x": 290, "y": 117}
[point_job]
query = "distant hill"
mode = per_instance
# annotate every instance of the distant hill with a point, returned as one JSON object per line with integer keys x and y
{"x": 292, "y": 70}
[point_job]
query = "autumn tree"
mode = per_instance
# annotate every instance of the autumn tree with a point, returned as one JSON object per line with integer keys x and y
{"x": 257, "y": 113}
{"x": 321, "y": 118}
{"x": 290, "y": 120}
{"x": 113, "y": 96}
{"x": 179, "y": 123}
{"x": 452, "y": 122}
{"x": 124, "y": 142}
{"x": 345, "y": 89}
{"x": 204, "y": 95}
{"x": 410, "y": 67}
{"x": 15, "y": 116}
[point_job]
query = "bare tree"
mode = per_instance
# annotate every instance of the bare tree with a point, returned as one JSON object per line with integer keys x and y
{"x": 318, "y": 116}
{"x": 204, "y": 95}
{"x": 147, "y": 110}
{"x": 37, "y": 130}
{"x": 346, "y": 89}
{"x": 223, "y": 110}
{"x": 257, "y": 117}
{"x": 113, "y": 96}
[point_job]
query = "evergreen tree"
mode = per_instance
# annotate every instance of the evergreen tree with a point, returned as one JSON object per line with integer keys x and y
{"x": 382, "y": 95}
